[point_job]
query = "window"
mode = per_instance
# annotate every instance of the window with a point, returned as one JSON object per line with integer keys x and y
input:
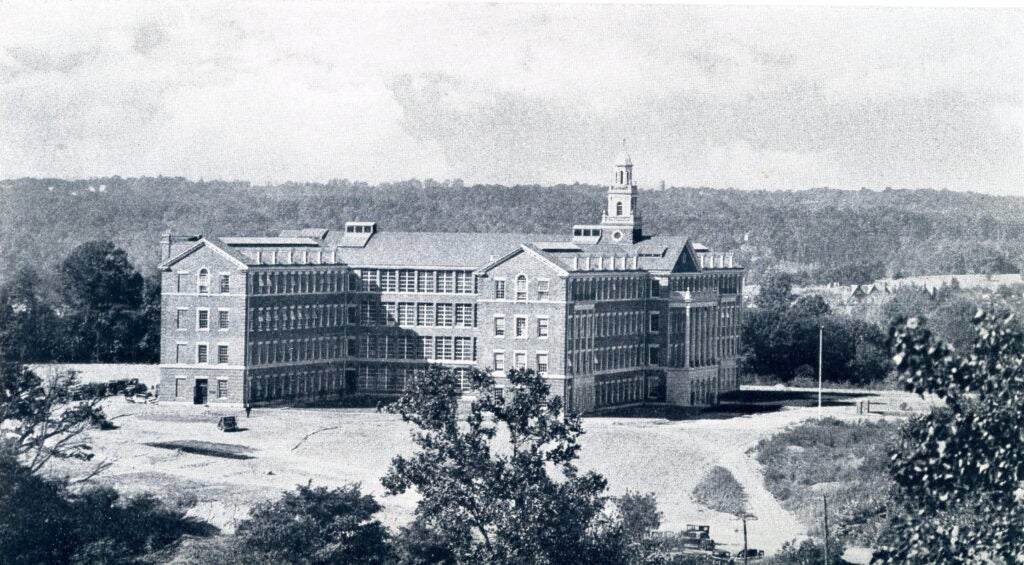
{"x": 463, "y": 349}
{"x": 618, "y": 208}
{"x": 425, "y": 281}
{"x": 388, "y": 280}
{"x": 654, "y": 355}
{"x": 444, "y": 314}
{"x": 655, "y": 322}
{"x": 222, "y": 354}
{"x": 443, "y": 348}
{"x": 204, "y": 281}
{"x": 520, "y": 359}
{"x": 499, "y": 326}
{"x": 521, "y": 326}
{"x": 181, "y": 353}
{"x": 222, "y": 388}
{"x": 225, "y": 284}
{"x": 203, "y": 319}
{"x": 522, "y": 286}
{"x": 542, "y": 363}
{"x": 222, "y": 319}
{"x": 446, "y": 281}
{"x": 182, "y": 282}
{"x": 499, "y": 289}
{"x": 201, "y": 353}
{"x": 499, "y": 360}
{"x": 424, "y": 314}
{"x": 464, "y": 282}
{"x": 407, "y": 281}
{"x": 542, "y": 327}
{"x": 464, "y": 315}
{"x": 182, "y": 321}
{"x": 406, "y": 314}
{"x": 179, "y": 386}
{"x": 542, "y": 289}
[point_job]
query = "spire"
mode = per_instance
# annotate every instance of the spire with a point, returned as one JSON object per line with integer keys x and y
{"x": 623, "y": 159}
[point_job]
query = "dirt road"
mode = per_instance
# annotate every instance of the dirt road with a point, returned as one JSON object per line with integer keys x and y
{"x": 641, "y": 454}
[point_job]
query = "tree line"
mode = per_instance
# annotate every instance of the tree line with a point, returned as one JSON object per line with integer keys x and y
{"x": 95, "y": 308}
{"x": 822, "y": 235}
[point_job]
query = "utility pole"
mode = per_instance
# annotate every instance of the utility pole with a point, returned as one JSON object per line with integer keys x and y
{"x": 824, "y": 499}
{"x": 744, "y": 539}
{"x": 821, "y": 335}
{"x": 746, "y": 554}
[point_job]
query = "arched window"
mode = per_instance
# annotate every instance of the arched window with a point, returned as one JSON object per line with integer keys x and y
{"x": 521, "y": 287}
{"x": 618, "y": 208}
{"x": 204, "y": 281}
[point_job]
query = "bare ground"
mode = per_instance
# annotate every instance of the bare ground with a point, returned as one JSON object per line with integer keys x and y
{"x": 644, "y": 454}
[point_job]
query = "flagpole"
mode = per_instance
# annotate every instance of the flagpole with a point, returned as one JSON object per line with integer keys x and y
{"x": 821, "y": 332}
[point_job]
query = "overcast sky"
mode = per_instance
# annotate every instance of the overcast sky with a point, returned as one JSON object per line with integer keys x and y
{"x": 523, "y": 93}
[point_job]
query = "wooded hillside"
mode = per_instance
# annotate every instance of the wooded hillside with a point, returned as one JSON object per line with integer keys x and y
{"x": 829, "y": 235}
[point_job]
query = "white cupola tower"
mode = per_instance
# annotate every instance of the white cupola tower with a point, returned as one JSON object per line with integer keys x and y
{"x": 621, "y": 220}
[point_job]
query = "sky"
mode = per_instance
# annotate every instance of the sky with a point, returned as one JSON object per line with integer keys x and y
{"x": 743, "y": 97}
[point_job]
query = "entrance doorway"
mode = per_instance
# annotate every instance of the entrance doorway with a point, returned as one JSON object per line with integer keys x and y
{"x": 351, "y": 380}
{"x": 202, "y": 390}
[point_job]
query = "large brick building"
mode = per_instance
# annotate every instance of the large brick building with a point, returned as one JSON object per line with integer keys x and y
{"x": 610, "y": 315}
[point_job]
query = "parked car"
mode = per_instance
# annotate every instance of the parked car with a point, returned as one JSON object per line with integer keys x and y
{"x": 750, "y": 554}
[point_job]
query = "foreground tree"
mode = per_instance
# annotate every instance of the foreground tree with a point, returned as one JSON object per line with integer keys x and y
{"x": 502, "y": 485}
{"x": 39, "y": 421}
{"x": 961, "y": 467}
{"x": 102, "y": 294}
{"x": 314, "y": 525}
{"x": 29, "y": 327}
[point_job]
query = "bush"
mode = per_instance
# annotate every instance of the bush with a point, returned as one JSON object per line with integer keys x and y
{"x": 43, "y": 522}
{"x": 720, "y": 491}
{"x": 314, "y": 525}
{"x": 848, "y": 462}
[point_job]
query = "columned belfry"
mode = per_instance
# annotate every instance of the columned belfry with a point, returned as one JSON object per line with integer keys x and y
{"x": 621, "y": 221}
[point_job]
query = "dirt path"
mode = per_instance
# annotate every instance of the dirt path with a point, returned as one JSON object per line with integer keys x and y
{"x": 774, "y": 524}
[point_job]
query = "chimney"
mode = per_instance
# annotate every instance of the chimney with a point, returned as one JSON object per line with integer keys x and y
{"x": 165, "y": 246}
{"x": 728, "y": 260}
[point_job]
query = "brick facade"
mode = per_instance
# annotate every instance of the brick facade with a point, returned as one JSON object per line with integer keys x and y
{"x": 610, "y": 316}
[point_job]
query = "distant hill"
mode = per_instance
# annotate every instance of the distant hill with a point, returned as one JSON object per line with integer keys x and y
{"x": 827, "y": 235}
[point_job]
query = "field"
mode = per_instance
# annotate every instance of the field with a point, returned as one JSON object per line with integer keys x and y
{"x": 177, "y": 452}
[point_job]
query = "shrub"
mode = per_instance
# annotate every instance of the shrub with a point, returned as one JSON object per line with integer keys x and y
{"x": 314, "y": 525}
{"x": 720, "y": 491}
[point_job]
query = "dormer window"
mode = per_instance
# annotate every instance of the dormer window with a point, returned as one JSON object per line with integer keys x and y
{"x": 204, "y": 281}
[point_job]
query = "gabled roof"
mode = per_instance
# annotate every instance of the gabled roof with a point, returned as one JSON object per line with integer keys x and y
{"x": 213, "y": 243}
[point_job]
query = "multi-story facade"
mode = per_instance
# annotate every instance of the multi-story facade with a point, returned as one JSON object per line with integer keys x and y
{"x": 610, "y": 315}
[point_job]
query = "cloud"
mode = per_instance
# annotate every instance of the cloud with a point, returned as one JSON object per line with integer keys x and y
{"x": 747, "y": 97}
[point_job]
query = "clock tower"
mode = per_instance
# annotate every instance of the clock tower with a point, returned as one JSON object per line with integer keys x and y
{"x": 621, "y": 222}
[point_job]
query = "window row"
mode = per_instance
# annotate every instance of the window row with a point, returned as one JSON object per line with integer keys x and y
{"x": 418, "y": 314}
{"x": 521, "y": 289}
{"x": 520, "y": 328}
{"x": 183, "y": 320}
{"x": 183, "y": 354}
{"x": 202, "y": 282}
{"x": 304, "y": 384}
{"x": 586, "y": 361}
{"x": 296, "y": 350}
{"x": 299, "y": 282}
{"x": 611, "y": 288}
{"x": 731, "y": 283}
{"x": 388, "y": 378}
{"x": 297, "y": 317}
{"x": 583, "y": 326}
{"x": 518, "y": 360}
{"x": 415, "y": 280}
